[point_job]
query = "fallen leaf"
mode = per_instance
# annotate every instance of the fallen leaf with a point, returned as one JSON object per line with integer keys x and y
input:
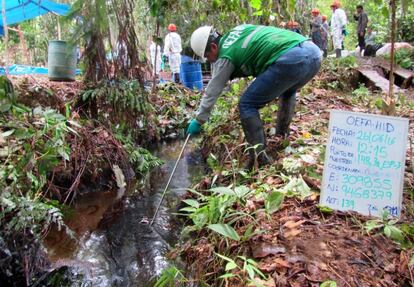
{"x": 296, "y": 258}
{"x": 312, "y": 182}
{"x": 273, "y": 180}
{"x": 165, "y": 122}
{"x": 259, "y": 282}
{"x": 309, "y": 159}
{"x": 267, "y": 267}
{"x": 290, "y": 218}
{"x": 292, "y": 224}
{"x": 263, "y": 249}
{"x": 292, "y": 233}
{"x": 281, "y": 263}
{"x": 314, "y": 196}
{"x": 390, "y": 268}
{"x": 280, "y": 279}
{"x": 318, "y": 92}
{"x": 250, "y": 205}
{"x": 307, "y": 135}
{"x": 119, "y": 176}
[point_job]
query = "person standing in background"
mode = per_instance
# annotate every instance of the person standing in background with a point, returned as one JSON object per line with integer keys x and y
{"x": 316, "y": 26}
{"x": 294, "y": 27}
{"x": 172, "y": 49}
{"x": 362, "y": 18}
{"x": 325, "y": 35}
{"x": 338, "y": 26}
{"x": 155, "y": 54}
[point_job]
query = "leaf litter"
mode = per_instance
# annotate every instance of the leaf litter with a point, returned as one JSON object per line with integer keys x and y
{"x": 301, "y": 244}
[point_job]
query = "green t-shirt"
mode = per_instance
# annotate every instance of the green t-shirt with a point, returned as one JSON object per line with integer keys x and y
{"x": 251, "y": 48}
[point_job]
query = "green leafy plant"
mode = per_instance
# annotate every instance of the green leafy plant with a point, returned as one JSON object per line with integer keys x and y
{"x": 328, "y": 283}
{"x": 31, "y": 145}
{"x": 249, "y": 266}
{"x": 295, "y": 186}
{"x": 7, "y": 95}
{"x": 361, "y": 92}
{"x": 140, "y": 158}
{"x": 362, "y": 95}
{"x": 273, "y": 201}
{"x": 387, "y": 226}
{"x": 338, "y": 72}
{"x": 333, "y": 85}
{"x": 170, "y": 277}
{"x": 225, "y": 230}
{"x": 214, "y": 208}
{"x": 213, "y": 162}
{"x": 31, "y": 213}
{"x": 292, "y": 165}
{"x": 35, "y": 145}
{"x": 325, "y": 209}
{"x": 122, "y": 95}
{"x": 403, "y": 58}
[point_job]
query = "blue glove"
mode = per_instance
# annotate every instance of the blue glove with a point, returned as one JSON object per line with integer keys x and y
{"x": 194, "y": 127}
{"x": 344, "y": 32}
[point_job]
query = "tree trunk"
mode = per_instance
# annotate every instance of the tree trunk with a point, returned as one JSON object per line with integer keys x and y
{"x": 388, "y": 103}
{"x": 59, "y": 33}
{"x": 25, "y": 52}
{"x": 154, "y": 74}
{"x": 127, "y": 63}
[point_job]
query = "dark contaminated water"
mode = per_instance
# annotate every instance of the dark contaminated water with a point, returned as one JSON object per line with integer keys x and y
{"x": 122, "y": 249}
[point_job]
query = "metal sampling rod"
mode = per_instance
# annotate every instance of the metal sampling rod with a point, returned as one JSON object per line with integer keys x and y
{"x": 169, "y": 180}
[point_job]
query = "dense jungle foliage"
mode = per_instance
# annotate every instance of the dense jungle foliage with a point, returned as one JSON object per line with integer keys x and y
{"x": 54, "y": 140}
{"x": 223, "y": 14}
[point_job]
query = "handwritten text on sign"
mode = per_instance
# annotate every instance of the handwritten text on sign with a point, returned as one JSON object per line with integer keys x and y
{"x": 364, "y": 164}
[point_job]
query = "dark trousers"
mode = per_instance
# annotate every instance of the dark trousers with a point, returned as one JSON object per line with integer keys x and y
{"x": 283, "y": 78}
{"x": 317, "y": 39}
{"x": 370, "y": 50}
{"x": 361, "y": 41}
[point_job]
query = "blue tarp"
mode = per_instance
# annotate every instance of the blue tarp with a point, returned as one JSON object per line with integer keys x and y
{"x": 21, "y": 10}
{"x": 19, "y": 70}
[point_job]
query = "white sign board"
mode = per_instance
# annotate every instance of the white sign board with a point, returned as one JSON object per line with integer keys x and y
{"x": 364, "y": 163}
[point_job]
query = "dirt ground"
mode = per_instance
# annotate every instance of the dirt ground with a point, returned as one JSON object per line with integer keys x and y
{"x": 303, "y": 246}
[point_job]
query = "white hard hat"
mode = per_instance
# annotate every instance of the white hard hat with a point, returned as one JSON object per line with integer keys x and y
{"x": 199, "y": 40}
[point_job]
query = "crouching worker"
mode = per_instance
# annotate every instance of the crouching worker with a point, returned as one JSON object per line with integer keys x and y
{"x": 282, "y": 62}
{"x": 371, "y": 46}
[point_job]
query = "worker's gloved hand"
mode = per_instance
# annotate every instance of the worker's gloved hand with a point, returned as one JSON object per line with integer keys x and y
{"x": 194, "y": 127}
{"x": 344, "y": 31}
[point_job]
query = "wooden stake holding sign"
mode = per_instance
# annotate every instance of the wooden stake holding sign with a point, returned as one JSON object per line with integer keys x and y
{"x": 364, "y": 163}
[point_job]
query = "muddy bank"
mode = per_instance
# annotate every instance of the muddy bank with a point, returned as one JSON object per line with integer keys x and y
{"x": 59, "y": 156}
{"x": 125, "y": 104}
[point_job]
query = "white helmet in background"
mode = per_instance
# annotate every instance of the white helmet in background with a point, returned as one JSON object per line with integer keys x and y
{"x": 199, "y": 40}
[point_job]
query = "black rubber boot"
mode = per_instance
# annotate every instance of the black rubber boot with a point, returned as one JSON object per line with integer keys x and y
{"x": 285, "y": 114}
{"x": 253, "y": 131}
{"x": 177, "y": 78}
{"x": 338, "y": 53}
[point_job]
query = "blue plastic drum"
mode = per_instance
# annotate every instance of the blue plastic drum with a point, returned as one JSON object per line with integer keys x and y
{"x": 191, "y": 75}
